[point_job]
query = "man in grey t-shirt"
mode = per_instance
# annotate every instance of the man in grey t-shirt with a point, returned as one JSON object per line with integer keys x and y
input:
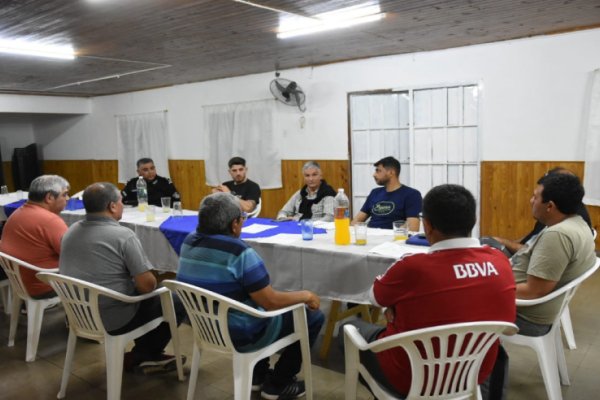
{"x": 563, "y": 251}
{"x": 99, "y": 250}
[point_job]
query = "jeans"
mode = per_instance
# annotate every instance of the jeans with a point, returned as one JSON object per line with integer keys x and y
{"x": 151, "y": 345}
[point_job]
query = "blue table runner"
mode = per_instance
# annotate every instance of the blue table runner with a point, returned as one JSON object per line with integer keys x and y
{"x": 72, "y": 205}
{"x": 176, "y": 229}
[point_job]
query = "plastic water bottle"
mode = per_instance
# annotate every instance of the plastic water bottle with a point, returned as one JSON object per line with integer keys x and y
{"x": 142, "y": 193}
{"x": 341, "y": 216}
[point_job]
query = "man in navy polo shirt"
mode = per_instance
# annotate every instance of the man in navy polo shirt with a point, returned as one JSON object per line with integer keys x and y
{"x": 391, "y": 202}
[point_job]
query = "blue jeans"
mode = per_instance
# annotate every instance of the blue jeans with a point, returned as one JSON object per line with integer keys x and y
{"x": 290, "y": 361}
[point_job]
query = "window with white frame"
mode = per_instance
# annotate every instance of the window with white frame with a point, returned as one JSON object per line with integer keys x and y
{"x": 433, "y": 132}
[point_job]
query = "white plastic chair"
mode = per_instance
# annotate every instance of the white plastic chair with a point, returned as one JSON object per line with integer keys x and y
{"x": 549, "y": 348}
{"x": 80, "y": 300}
{"x": 208, "y": 314}
{"x": 78, "y": 195}
{"x": 35, "y": 307}
{"x": 256, "y": 210}
{"x": 5, "y": 295}
{"x": 565, "y": 319}
{"x": 463, "y": 368}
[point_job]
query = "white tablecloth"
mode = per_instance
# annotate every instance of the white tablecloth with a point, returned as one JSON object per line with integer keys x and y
{"x": 10, "y": 198}
{"x": 331, "y": 271}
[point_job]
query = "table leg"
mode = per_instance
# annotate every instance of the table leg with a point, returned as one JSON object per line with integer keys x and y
{"x": 335, "y": 315}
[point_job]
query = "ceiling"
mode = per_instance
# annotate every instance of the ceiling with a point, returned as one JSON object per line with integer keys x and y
{"x": 127, "y": 45}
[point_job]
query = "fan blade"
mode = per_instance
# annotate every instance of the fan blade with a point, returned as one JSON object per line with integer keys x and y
{"x": 282, "y": 90}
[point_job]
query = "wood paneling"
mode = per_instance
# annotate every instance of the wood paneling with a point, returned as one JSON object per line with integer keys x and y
{"x": 507, "y": 187}
{"x": 189, "y": 178}
{"x": 173, "y": 42}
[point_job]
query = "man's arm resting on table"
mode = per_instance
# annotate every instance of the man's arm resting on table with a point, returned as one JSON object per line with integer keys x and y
{"x": 512, "y": 245}
{"x": 247, "y": 205}
{"x": 145, "y": 282}
{"x": 413, "y": 224}
{"x": 271, "y": 299}
{"x": 534, "y": 288}
{"x": 360, "y": 217}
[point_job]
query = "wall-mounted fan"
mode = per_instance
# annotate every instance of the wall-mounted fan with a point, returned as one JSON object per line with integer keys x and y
{"x": 288, "y": 92}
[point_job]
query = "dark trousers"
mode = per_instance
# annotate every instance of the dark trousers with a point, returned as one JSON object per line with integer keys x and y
{"x": 151, "y": 345}
{"x": 290, "y": 361}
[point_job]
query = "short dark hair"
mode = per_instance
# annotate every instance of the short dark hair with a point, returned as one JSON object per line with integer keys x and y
{"x": 98, "y": 196}
{"x": 217, "y": 212}
{"x": 450, "y": 209}
{"x": 236, "y": 161}
{"x": 143, "y": 160}
{"x": 389, "y": 163}
{"x": 564, "y": 190}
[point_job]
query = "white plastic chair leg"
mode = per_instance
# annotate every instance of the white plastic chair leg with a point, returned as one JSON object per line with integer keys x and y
{"x": 561, "y": 361}
{"x": 5, "y": 296}
{"x": 14, "y": 319}
{"x": 194, "y": 373}
{"x": 546, "y": 353}
{"x": 351, "y": 373}
{"x": 567, "y": 327}
{"x": 242, "y": 379}
{"x": 35, "y": 315}
{"x": 71, "y": 343}
{"x": 114, "y": 349}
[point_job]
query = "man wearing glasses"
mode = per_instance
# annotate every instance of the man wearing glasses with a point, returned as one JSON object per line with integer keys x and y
{"x": 34, "y": 231}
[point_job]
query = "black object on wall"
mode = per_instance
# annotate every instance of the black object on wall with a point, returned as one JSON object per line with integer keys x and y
{"x": 25, "y": 166}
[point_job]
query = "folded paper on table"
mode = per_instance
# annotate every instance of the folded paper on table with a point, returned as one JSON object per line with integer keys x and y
{"x": 176, "y": 229}
{"x": 396, "y": 250}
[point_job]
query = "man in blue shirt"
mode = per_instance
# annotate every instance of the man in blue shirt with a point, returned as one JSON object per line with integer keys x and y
{"x": 215, "y": 258}
{"x": 393, "y": 201}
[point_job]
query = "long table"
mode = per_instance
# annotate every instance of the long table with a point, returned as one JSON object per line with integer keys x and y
{"x": 338, "y": 273}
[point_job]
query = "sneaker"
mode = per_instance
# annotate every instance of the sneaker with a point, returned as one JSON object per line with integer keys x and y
{"x": 165, "y": 363}
{"x": 292, "y": 390}
{"x": 259, "y": 381}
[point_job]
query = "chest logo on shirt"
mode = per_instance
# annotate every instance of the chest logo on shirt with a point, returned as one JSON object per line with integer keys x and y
{"x": 474, "y": 270}
{"x": 383, "y": 208}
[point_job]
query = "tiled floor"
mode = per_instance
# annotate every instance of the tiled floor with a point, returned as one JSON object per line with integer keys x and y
{"x": 41, "y": 379}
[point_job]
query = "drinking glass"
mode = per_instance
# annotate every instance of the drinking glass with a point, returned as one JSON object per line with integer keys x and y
{"x": 360, "y": 233}
{"x": 177, "y": 209}
{"x": 400, "y": 230}
{"x": 150, "y": 213}
{"x": 166, "y": 204}
{"x": 306, "y": 226}
{"x": 3, "y": 189}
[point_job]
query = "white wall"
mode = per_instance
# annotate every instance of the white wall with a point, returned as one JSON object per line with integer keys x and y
{"x": 533, "y": 93}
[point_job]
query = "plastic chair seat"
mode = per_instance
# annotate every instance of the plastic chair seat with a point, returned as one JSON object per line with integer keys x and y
{"x": 208, "y": 311}
{"x": 80, "y": 300}
{"x": 549, "y": 348}
{"x": 427, "y": 350}
{"x": 35, "y": 307}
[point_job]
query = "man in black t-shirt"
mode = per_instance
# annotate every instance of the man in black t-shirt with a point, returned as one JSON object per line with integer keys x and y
{"x": 247, "y": 191}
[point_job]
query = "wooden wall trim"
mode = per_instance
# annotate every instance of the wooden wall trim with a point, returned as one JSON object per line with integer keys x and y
{"x": 506, "y": 186}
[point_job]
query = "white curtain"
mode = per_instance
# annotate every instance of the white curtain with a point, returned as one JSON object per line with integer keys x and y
{"x": 142, "y": 135}
{"x": 591, "y": 180}
{"x": 246, "y": 130}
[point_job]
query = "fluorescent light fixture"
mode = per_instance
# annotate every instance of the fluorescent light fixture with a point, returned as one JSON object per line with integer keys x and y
{"x": 338, "y": 19}
{"x": 24, "y": 47}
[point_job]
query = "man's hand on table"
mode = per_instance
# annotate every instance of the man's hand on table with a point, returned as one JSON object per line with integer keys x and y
{"x": 313, "y": 302}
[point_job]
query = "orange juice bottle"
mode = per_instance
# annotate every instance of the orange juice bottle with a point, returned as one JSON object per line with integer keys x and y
{"x": 342, "y": 218}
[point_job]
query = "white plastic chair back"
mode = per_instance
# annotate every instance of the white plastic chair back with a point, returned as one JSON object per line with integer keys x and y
{"x": 549, "y": 348}
{"x": 256, "y": 210}
{"x": 80, "y": 300}
{"x": 208, "y": 311}
{"x": 35, "y": 307}
{"x": 78, "y": 195}
{"x": 458, "y": 349}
